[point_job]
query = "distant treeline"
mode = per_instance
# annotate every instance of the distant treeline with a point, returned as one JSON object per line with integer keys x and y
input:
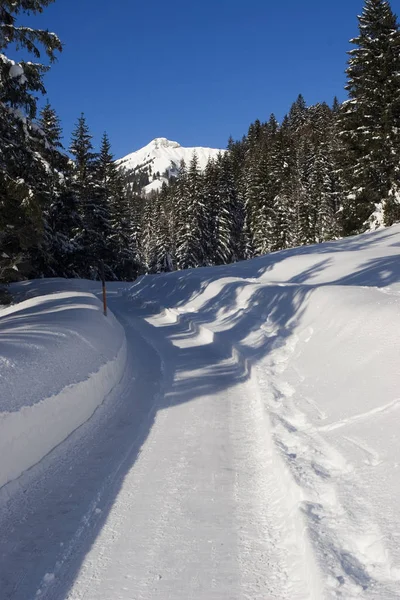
{"x": 326, "y": 171}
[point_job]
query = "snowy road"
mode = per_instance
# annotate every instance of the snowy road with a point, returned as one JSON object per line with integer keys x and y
{"x": 200, "y": 515}
{"x": 165, "y": 493}
{"x": 250, "y": 451}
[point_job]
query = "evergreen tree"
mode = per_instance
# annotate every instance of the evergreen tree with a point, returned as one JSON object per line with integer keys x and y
{"x": 298, "y": 114}
{"x": 191, "y": 239}
{"x": 23, "y": 170}
{"x": 336, "y": 106}
{"x": 50, "y": 126}
{"x": 371, "y": 117}
{"x": 21, "y": 81}
{"x": 260, "y": 197}
{"x": 181, "y": 202}
{"x": 211, "y": 208}
{"x": 88, "y": 185}
{"x": 85, "y": 159}
{"x": 237, "y": 159}
{"x": 163, "y": 255}
{"x": 122, "y": 260}
{"x": 304, "y": 200}
{"x": 57, "y": 254}
{"x": 135, "y": 207}
{"x": 228, "y": 216}
{"x": 197, "y": 242}
{"x": 254, "y": 135}
{"x": 148, "y": 235}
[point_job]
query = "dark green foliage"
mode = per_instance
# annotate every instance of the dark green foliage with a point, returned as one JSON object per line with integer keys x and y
{"x": 370, "y": 119}
{"x": 25, "y": 177}
{"x": 58, "y": 252}
{"x": 192, "y": 235}
{"x": 88, "y": 185}
{"x": 50, "y": 126}
{"x": 121, "y": 258}
{"x": 20, "y": 81}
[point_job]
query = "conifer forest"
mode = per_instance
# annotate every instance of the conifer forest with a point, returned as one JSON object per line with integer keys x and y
{"x": 326, "y": 171}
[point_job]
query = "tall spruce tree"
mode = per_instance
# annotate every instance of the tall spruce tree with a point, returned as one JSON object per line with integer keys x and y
{"x": 88, "y": 185}
{"x": 191, "y": 217}
{"x": 112, "y": 196}
{"x": 370, "y": 119}
{"x": 196, "y": 234}
{"x": 23, "y": 171}
{"x": 58, "y": 253}
{"x": 164, "y": 239}
{"x": 50, "y": 125}
{"x": 228, "y": 218}
{"x": 148, "y": 232}
{"x": 297, "y": 116}
{"x": 20, "y": 81}
{"x": 210, "y": 198}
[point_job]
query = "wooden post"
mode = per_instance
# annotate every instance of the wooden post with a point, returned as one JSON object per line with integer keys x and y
{"x": 103, "y": 283}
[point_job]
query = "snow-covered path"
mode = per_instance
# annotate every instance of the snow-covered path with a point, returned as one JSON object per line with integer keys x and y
{"x": 203, "y": 513}
{"x": 170, "y": 492}
{"x": 250, "y": 450}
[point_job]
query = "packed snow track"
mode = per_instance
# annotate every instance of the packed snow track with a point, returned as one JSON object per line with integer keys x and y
{"x": 248, "y": 449}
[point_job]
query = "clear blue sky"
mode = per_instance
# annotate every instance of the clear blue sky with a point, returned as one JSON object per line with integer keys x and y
{"x": 194, "y": 72}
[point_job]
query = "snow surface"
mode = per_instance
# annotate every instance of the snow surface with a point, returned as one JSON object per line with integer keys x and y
{"x": 250, "y": 449}
{"x": 59, "y": 358}
{"x": 161, "y": 156}
{"x": 155, "y": 185}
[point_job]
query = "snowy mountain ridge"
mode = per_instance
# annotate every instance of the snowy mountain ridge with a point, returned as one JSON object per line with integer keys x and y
{"x": 161, "y": 158}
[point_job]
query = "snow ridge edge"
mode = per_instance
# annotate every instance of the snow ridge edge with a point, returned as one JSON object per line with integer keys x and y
{"x": 28, "y": 435}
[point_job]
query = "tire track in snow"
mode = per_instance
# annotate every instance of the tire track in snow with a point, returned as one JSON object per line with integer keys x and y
{"x": 395, "y": 404}
{"x": 263, "y": 483}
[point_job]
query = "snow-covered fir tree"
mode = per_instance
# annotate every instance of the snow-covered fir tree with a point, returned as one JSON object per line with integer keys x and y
{"x": 121, "y": 260}
{"x": 227, "y": 229}
{"x": 23, "y": 169}
{"x": 163, "y": 232}
{"x": 191, "y": 217}
{"x": 57, "y": 255}
{"x": 89, "y": 186}
{"x": 371, "y": 117}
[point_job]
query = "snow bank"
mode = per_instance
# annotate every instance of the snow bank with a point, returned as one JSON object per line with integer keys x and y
{"x": 59, "y": 358}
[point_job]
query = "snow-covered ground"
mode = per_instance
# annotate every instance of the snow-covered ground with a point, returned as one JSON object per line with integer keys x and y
{"x": 250, "y": 449}
{"x": 59, "y": 359}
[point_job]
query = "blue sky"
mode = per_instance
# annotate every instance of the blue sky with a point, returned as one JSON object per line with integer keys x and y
{"x": 194, "y": 72}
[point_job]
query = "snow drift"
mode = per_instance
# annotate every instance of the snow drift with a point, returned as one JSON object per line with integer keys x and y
{"x": 59, "y": 358}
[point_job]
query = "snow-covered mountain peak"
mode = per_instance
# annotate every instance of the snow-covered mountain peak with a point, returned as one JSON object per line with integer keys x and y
{"x": 159, "y": 160}
{"x": 163, "y": 143}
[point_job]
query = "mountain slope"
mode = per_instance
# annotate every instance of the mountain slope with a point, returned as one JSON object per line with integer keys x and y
{"x": 161, "y": 158}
